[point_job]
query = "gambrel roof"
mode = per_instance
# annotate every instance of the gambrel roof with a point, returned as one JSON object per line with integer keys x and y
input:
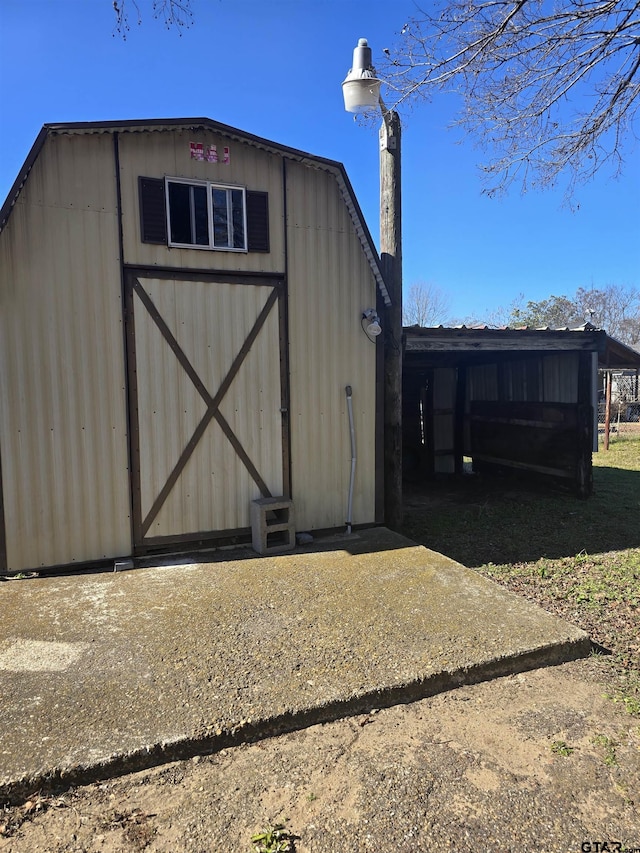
{"x": 156, "y": 125}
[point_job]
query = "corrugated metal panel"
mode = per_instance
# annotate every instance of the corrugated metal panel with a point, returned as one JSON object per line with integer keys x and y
{"x": 443, "y": 432}
{"x": 62, "y": 422}
{"x": 168, "y": 153}
{"x": 444, "y": 387}
{"x": 210, "y": 322}
{"x": 515, "y": 380}
{"x": 560, "y": 374}
{"x": 330, "y": 285}
{"x": 482, "y": 382}
{"x": 63, "y": 425}
{"x": 444, "y": 399}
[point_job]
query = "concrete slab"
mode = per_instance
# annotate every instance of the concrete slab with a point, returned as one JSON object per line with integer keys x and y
{"x": 102, "y": 674}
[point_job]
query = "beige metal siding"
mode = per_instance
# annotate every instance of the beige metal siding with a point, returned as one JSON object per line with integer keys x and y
{"x": 330, "y": 285}
{"x": 210, "y": 322}
{"x": 62, "y": 417}
{"x": 155, "y": 154}
{"x": 63, "y": 428}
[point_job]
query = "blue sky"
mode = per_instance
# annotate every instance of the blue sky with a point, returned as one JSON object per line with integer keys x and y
{"x": 274, "y": 69}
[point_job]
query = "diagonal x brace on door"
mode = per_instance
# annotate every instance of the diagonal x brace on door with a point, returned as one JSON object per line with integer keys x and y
{"x": 212, "y": 403}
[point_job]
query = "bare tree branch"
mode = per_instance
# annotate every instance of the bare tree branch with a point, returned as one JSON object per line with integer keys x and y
{"x": 547, "y": 89}
{"x": 425, "y": 305}
{"x": 496, "y": 318}
{"x": 172, "y": 13}
{"x": 614, "y": 308}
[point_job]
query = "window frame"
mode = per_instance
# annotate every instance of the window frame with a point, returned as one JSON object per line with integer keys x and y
{"x": 209, "y": 186}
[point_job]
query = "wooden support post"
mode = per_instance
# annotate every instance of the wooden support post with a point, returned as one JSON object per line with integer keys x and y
{"x": 391, "y": 258}
{"x": 429, "y": 425}
{"x": 607, "y": 411}
{"x": 584, "y": 426}
{"x": 459, "y": 418}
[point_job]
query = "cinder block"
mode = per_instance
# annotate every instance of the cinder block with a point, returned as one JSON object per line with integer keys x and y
{"x": 272, "y": 525}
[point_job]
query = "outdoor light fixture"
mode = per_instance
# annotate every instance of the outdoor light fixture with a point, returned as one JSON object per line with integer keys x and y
{"x": 372, "y": 320}
{"x": 361, "y": 88}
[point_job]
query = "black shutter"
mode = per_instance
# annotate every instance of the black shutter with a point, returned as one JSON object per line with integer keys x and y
{"x": 153, "y": 212}
{"x": 257, "y": 221}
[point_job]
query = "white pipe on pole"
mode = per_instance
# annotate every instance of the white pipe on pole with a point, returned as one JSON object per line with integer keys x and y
{"x": 353, "y": 457}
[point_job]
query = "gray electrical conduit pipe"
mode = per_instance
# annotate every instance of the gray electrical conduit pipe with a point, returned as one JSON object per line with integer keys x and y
{"x": 353, "y": 457}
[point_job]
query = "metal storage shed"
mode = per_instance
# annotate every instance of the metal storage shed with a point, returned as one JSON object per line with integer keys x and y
{"x": 180, "y": 314}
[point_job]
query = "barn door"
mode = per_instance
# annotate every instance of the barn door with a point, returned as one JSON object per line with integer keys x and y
{"x": 208, "y": 403}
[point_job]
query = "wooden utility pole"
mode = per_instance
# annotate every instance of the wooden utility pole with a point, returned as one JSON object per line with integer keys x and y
{"x": 391, "y": 258}
{"x": 361, "y": 91}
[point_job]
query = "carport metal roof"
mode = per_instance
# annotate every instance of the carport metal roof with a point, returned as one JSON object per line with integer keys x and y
{"x": 463, "y": 340}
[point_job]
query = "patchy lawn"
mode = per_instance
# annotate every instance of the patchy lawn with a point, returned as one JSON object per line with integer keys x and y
{"x": 577, "y": 559}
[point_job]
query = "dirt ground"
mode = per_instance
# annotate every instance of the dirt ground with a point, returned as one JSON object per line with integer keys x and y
{"x": 542, "y": 761}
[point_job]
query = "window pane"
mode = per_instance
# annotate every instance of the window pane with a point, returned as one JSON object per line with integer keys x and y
{"x": 188, "y": 214}
{"x": 200, "y": 216}
{"x": 220, "y": 219}
{"x": 237, "y": 197}
{"x": 180, "y": 213}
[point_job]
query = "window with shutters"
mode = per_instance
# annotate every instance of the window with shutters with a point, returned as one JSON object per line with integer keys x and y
{"x": 203, "y": 215}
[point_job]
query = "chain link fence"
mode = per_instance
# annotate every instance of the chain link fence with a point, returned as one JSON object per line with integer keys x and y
{"x": 624, "y": 415}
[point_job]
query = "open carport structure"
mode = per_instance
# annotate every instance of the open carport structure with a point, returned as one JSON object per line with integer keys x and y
{"x": 522, "y": 399}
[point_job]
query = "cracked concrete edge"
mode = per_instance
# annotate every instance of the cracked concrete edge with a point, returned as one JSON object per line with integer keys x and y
{"x": 58, "y": 780}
